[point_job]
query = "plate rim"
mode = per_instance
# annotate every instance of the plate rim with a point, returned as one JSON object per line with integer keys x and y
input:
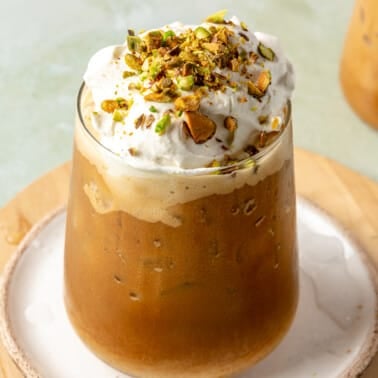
{"x": 368, "y": 348}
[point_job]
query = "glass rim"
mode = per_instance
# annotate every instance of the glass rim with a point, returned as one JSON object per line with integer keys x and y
{"x": 238, "y": 165}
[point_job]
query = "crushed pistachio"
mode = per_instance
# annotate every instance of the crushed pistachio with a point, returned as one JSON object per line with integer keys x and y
{"x": 212, "y": 47}
{"x": 149, "y": 121}
{"x": 166, "y": 65}
{"x": 185, "y": 82}
{"x": 253, "y": 90}
{"x": 231, "y": 124}
{"x": 275, "y": 123}
{"x": 136, "y": 86}
{"x": 244, "y": 26}
{"x": 127, "y": 74}
{"x": 109, "y": 106}
{"x": 133, "y": 151}
{"x": 133, "y": 62}
{"x": 133, "y": 43}
{"x": 168, "y": 34}
{"x": 217, "y": 17}
{"x": 153, "y": 40}
{"x": 201, "y": 33}
{"x": 235, "y": 64}
{"x": 187, "y": 103}
{"x": 264, "y": 80}
{"x": 201, "y": 128}
{"x": 158, "y": 97}
{"x": 266, "y": 52}
{"x": 119, "y": 115}
{"x": 163, "y": 124}
{"x": 140, "y": 121}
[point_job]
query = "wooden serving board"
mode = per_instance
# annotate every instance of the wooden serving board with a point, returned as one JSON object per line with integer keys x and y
{"x": 347, "y": 196}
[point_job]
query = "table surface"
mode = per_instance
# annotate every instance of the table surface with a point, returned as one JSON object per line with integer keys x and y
{"x": 45, "y": 46}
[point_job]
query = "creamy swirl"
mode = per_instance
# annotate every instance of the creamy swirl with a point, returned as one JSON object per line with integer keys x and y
{"x": 133, "y": 127}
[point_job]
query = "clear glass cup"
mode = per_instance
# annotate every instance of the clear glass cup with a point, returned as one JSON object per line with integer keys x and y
{"x": 185, "y": 275}
{"x": 359, "y": 62}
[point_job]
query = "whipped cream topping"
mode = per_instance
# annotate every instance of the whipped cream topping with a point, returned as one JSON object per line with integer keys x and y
{"x": 154, "y": 135}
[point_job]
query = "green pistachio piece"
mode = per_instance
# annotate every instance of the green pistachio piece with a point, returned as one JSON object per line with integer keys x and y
{"x": 253, "y": 90}
{"x": 133, "y": 43}
{"x": 185, "y": 82}
{"x": 266, "y": 52}
{"x": 153, "y": 40}
{"x": 153, "y": 109}
{"x": 133, "y": 62}
{"x": 167, "y": 34}
{"x": 154, "y": 69}
{"x": 127, "y": 74}
{"x": 163, "y": 124}
{"x": 217, "y": 17}
{"x": 158, "y": 97}
{"x": 119, "y": 115}
{"x": 201, "y": 32}
{"x": 244, "y": 26}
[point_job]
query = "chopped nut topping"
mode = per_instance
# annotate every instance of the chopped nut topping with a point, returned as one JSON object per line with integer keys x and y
{"x": 254, "y": 91}
{"x": 119, "y": 115}
{"x": 127, "y": 74}
{"x": 153, "y": 40}
{"x": 187, "y": 103}
{"x": 133, "y": 62}
{"x": 140, "y": 121}
{"x": 244, "y": 26}
{"x": 185, "y": 82}
{"x": 133, "y": 151}
{"x": 231, "y": 124}
{"x": 244, "y": 36}
{"x": 149, "y": 121}
{"x": 158, "y": 97}
{"x": 133, "y": 43}
{"x": 212, "y": 46}
{"x": 201, "y": 128}
{"x": 264, "y": 80}
{"x": 163, "y": 124}
{"x": 201, "y": 32}
{"x": 110, "y": 106}
{"x": 164, "y": 66}
{"x": 262, "y": 119}
{"x": 266, "y": 52}
{"x": 217, "y": 17}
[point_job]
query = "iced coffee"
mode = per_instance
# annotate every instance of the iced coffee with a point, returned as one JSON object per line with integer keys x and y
{"x": 180, "y": 254}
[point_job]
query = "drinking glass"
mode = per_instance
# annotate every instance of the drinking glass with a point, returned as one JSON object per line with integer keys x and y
{"x": 180, "y": 274}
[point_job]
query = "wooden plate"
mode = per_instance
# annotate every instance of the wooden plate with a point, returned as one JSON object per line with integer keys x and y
{"x": 347, "y": 196}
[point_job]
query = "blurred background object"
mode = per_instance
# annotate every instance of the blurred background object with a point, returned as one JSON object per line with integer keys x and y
{"x": 359, "y": 62}
{"x": 45, "y": 46}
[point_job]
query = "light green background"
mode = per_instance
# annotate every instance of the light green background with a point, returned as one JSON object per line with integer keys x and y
{"x": 45, "y": 45}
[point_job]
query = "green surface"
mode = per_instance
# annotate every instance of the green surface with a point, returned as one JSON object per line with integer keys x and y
{"x": 45, "y": 46}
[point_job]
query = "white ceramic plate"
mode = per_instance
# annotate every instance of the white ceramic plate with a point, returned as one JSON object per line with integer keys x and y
{"x": 333, "y": 334}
